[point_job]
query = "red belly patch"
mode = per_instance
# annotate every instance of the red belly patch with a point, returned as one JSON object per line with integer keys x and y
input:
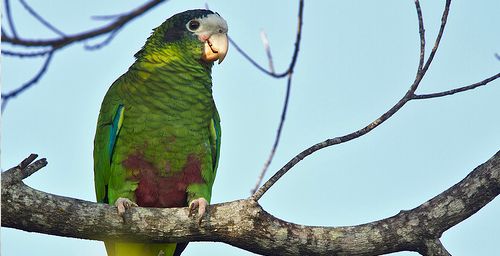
{"x": 162, "y": 188}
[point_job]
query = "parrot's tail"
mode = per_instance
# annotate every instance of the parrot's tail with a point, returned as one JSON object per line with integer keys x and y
{"x": 139, "y": 249}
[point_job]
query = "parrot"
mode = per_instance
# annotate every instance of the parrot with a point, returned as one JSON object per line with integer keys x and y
{"x": 158, "y": 135}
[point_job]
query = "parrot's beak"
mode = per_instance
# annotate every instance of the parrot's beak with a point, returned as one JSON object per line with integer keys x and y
{"x": 215, "y": 48}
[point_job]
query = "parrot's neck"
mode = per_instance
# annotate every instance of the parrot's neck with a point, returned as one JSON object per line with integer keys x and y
{"x": 171, "y": 66}
{"x": 171, "y": 86}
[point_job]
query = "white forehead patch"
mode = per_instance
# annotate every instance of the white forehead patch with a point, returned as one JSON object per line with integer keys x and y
{"x": 211, "y": 24}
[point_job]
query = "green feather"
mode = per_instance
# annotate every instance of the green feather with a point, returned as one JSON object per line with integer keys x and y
{"x": 159, "y": 120}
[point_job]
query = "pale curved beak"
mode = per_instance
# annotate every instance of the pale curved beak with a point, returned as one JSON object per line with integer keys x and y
{"x": 215, "y": 48}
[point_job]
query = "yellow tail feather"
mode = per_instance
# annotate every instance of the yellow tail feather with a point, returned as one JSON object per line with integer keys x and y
{"x": 139, "y": 249}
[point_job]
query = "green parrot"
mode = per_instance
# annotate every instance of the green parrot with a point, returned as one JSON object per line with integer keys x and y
{"x": 158, "y": 133}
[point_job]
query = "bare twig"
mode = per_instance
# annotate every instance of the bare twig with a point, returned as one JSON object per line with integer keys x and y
{"x": 421, "y": 32}
{"x": 267, "y": 48}
{"x": 249, "y": 59}
{"x": 384, "y": 117}
{"x": 41, "y": 19}
{"x": 105, "y": 42}
{"x": 287, "y": 96}
{"x": 278, "y": 135}
{"x": 27, "y": 161}
{"x": 23, "y": 170}
{"x": 444, "y": 18}
{"x": 3, "y": 30}
{"x": 294, "y": 55}
{"x": 6, "y": 97}
{"x": 8, "y": 13}
{"x": 456, "y": 90}
{"x": 107, "y": 17}
{"x": 69, "y": 39}
{"x": 26, "y": 54}
{"x": 64, "y": 40}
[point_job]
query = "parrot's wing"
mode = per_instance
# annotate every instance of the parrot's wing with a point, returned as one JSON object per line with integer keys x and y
{"x": 215, "y": 136}
{"x": 108, "y": 128}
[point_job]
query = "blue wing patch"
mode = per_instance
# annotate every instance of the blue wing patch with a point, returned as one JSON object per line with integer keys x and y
{"x": 115, "y": 129}
{"x": 215, "y": 136}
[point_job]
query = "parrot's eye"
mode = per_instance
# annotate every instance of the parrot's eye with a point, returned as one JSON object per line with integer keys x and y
{"x": 193, "y": 25}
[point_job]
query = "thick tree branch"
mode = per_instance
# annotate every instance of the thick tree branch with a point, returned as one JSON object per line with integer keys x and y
{"x": 245, "y": 224}
{"x": 434, "y": 247}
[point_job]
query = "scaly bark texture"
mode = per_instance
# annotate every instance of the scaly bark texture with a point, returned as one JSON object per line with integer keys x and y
{"x": 245, "y": 224}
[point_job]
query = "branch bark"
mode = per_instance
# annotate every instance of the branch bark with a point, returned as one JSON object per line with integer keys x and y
{"x": 245, "y": 224}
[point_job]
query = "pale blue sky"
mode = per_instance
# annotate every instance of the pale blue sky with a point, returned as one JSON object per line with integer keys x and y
{"x": 357, "y": 59}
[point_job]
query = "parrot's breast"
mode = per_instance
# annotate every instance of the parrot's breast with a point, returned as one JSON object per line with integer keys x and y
{"x": 157, "y": 188}
{"x": 164, "y": 142}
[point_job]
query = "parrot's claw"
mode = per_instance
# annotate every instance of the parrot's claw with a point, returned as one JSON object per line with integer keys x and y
{"x": 201, "y": 204}
{"x": 123, "y": 204}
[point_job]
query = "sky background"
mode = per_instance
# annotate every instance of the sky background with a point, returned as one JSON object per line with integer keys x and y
{"x": 357, "y": 59}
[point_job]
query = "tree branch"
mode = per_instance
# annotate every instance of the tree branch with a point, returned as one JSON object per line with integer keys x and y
{"x": 409, "y": 95}
{"x": 245, "y": 224}
{"x": 289, "y": 74}
{"x": 278, "y": 135}
{"x": 421, "y": 32}
{"x": 23, "y": 170}
{"x": 41, "y": 19}
{"x": 26, "y": 54}
{"x": 444, "y": 19}
{"x": 456, "y": 90}
{"x": 434, "y": 247}
{"x": 64, "y": 40}
{"x": 295, "y": 54}
{"x": 10, "y": 21}
{"x": 69, "y": 39}
{"x": 8, "y": 96}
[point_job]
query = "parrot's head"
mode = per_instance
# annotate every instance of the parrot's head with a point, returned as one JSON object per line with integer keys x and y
{"x": 199, "y": 35}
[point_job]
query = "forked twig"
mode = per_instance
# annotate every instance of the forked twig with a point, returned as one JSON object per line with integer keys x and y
{"x": 70, "y": 39}
{"x": 23, "y": 170}
{"x": 410, "y": 95}
{"x": 289, "y": 74}
{"x": 60, "y": 42}
{"x": 294, "y": 55}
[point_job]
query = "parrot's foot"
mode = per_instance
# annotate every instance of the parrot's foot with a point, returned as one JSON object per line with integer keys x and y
{"x": 201, "y": 204}
{"x": 123, "y": 204}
